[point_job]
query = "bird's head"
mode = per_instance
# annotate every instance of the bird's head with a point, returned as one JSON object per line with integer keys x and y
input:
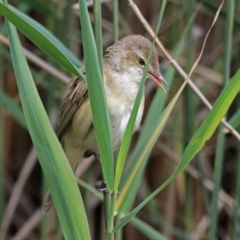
{"x": 130, "y": 55}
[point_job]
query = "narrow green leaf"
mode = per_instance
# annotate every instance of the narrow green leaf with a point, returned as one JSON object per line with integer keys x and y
{"x": 59, "y": 175}
{"x": 221, "y": 141}
{"x": 129, "y": 130}
{"x": 147, "y": 131}
{"x": 147, "y": 230}
{"x": 41, "y": 7}
{"x": 42, "y": 38}
{"x": 115, "y": 21}
{"x": 89, "y": 188}
{"x": 155, "y": 131}
{"x": 202, "y": 135}
{"x": 97, "y": 97}
{"x": 98, "y": 31}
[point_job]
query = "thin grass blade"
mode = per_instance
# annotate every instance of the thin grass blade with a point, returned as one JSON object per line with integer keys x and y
{"x": 129, "y": 130}
{"x": 60, "y": 178}
{"x": 203, "y": 134}
{"x": 130, "y": 188}
{"x": 41, "y": 38}
{"x": 97, "y": 97}
{"x": 147, "y": 230}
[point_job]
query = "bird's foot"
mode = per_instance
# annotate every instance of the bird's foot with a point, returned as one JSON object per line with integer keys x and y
{"x": 101, "y": 186}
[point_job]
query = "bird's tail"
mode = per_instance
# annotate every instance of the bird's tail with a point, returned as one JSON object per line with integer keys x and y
{"x": 47, "y": 203}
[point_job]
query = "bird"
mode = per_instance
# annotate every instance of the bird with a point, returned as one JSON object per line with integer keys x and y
{"x": 123, "y": 67}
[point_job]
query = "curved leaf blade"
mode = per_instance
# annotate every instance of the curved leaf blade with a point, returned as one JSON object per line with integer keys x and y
{"x": 202, "y": 135}
{"x": 62, "y": 183}
{"x": 101, "y": 118}
{"x": 45, "y": 41}
{"x": 149, "y": 128}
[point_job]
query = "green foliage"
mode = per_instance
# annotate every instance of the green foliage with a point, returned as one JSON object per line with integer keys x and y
{"x": 124, "y": 185}
{"x": 55, "y": 166}
{"x": 97, "y": 98}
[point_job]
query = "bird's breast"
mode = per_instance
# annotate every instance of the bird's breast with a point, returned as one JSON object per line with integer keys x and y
{"x": 119, "y": 117}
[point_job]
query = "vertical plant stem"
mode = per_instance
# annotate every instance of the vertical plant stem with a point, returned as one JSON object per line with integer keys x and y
{"x": 1, "y": 167}
{"x": 218, "y": 165}
{"x": 190, "y": 115}
{"x": 111, "y": 217}
{"x": 98, "y": 31}
{"x": 106, "y": 206}
{"x": 98, "y": 40}
{"x": 129, "y": 130}
{"x": 118, "y": 234}
{"x": 202, "y": 176}
{"x": 228, "y": 41}
{"x": 236, "y": 219}
{"x": 217, "y": 180}
{"x": 1, "y": 144}
{"x": 115, "y": 21}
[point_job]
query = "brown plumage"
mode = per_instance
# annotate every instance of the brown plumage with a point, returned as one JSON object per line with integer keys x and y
{"x": 123, "y": 67}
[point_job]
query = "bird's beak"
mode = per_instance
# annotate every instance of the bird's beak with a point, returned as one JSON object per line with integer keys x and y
{"x": 158, "y": 78}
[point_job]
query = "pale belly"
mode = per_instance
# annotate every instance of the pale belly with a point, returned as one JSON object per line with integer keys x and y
{"x": 119, "y": 123}
{"x": 80, "y": 136}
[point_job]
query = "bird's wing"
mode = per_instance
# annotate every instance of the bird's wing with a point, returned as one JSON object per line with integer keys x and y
{"x": 74, "y": 100}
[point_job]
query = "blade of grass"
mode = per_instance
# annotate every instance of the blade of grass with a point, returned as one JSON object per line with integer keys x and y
{"x": 177, "y": 66}
{"x": 129, "y": 190}
{"x": 41, "y": 7}
{"x": 217, "y": 175}
{"x": 126, "y": 196}
{"x": 98, "y": 38}
{"x": 45, "y": 41}
{"x": 219, "y": 156}
{"x": 57, "y": 170}
{"x": 2, "y": 144}
{"x": 129, "y": 130}
{"x": 190, "y": 107}
{"x": 49, "y": 35}
{"x": 90, "y": 188}
{"x": 146, "y": 148}
{"x": 148, "y": 231}
{"x": 235, "y": 222}
{"x": 97, "y": 97}
{"x": 115, "y": 21}
{"x": 31, "y": 57}
{"x": 98, "y": 31}
{"x": 205, "y": 131}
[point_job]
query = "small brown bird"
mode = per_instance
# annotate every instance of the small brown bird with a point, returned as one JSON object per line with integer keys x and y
{"x": 123, "y": 67}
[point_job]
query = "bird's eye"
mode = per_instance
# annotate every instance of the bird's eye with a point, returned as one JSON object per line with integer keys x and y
{"x": 141, "y": 61}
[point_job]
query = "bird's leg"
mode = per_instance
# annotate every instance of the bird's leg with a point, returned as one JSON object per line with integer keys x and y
{"x": 100, "y": 185}
{"x": 97, "y": 157}
{"x": 89, "y": 153}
